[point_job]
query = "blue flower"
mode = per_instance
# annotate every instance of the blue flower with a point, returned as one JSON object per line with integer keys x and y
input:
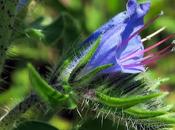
{"x": 119, "y": 39}
{"x": 121, "y": 44}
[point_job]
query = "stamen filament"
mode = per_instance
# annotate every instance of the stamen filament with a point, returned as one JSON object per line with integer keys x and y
{"x": 153, "y": 34}
{"x": 148, "y": 49}
{"x": 157, "y": 44}
{"x": 149, "y": 58}
{"x": 145, "y": 26}
{"x": 155, "y": 58}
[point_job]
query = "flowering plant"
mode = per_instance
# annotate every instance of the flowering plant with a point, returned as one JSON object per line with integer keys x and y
{"x": 106, "y": 79}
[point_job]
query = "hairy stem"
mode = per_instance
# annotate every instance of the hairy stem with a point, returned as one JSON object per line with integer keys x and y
{"x": 7, "y": 18}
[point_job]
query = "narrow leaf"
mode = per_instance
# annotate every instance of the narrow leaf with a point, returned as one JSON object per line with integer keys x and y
{"x": 124, "y": 102}
{"x": 43, "y": 89}
{"x": 139, "y": 113}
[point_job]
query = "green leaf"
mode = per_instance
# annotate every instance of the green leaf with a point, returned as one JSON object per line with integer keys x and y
{"x": 85, "y": 59}
{"x": 44, "y": 90}
{"x": 54, "y": 31}
{"x": 28, "y": 52}
{"x": 61, "y": 31}
{"x": 35, "y": 34}
{"x": 124, "y": 102}
{"x": 35, "y": 125}
{"x": 167, "y": 120}
{"x": 139, "y": 113}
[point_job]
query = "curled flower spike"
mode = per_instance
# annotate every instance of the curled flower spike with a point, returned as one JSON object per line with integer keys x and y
{"x": 121, "y": 44}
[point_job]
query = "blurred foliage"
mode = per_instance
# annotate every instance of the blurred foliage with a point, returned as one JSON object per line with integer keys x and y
{"x": 69, "y": 21}
{"x": 35, "y": 126}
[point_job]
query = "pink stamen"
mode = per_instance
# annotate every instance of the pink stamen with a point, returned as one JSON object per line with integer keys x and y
{"x": 148, "y": 49}
{"x": 142, "y": 59}
{"x": 163, "y": 50}
{"x": 146, "y": 62}
{"x": 157, "y": 44}
{"x": 158, "y": 55}
{"x": 149, "y": 59}
{"x": 154, "y": 59}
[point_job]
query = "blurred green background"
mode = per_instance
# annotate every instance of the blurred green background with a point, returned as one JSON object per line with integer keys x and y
{"x": 72, "y": 21}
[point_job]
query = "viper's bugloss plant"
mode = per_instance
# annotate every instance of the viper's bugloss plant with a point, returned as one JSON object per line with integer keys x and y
{"x": 107, "y": 79}
{"x": 121, "y": 44}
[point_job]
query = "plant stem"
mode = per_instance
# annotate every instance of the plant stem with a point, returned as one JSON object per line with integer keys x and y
{"x": 7, "y": 16}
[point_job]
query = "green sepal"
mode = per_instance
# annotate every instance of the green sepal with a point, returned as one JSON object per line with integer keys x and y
{"x": 44, "y": 90}
{"x": 142, "y": 114}
{"x": 124, "y": 103}
{"x": 71, "y": 104}
{"x": 72, "y": 101}
{"x": 84, "y": 60}
{"x": 90, "y": 76}
{"x": 167, "y": 120}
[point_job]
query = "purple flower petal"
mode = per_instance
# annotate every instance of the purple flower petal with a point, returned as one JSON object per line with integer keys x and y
{"x": 114, "y": 34}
